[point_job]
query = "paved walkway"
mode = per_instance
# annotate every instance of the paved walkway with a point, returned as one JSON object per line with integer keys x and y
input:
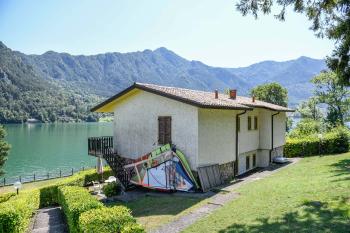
{"x": 217, "y": 200}
{"x": 49, "y": 220}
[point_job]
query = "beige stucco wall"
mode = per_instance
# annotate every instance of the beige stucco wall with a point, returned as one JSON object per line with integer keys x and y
{"x": 206, "y": 136}
{"x": 242, "y": 161}
{"x": 279, "y": 125}
{"x": 136, "y": 125}
{"x": 216, "y": 136}
{"x": 259, "y": 141}
{"x": 248, "y": 139}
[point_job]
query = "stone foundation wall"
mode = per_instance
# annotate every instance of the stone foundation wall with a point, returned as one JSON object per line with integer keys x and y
{"x": 227, "y": 171}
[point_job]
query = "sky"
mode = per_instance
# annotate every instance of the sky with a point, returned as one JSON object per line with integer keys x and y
{"x": 213, "y": 32}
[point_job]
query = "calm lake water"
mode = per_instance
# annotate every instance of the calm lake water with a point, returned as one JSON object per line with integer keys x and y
{"x": 42, "y": 148}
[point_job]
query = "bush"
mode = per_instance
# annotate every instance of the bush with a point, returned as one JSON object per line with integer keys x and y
{"x": 16, "y": 213}
{"x": 6, "y": 196}
{"x": 307, "y": 127}
{"x": 112, "y": 189}
{"x": 133, "y": 228}
{"x": 106, "y": 220}
{"x": 74, "y": 201}
{"x": 333, "y": 142}
{"x": 48, "y": 194}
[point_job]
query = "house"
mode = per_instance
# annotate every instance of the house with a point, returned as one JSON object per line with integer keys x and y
{"x": 237, "y": 133}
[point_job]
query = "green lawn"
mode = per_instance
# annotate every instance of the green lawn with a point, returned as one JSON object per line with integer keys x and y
{"x": 153, "y": 211}
{"x": 310, "y": 196}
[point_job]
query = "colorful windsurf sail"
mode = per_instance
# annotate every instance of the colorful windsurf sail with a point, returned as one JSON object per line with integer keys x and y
{"x": 165, "y": 168}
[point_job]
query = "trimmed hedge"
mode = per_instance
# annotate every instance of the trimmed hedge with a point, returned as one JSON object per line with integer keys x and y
{"x": 74, "y": 201}
{"x": 6, "y": 197}
{"x": 336, "y": 141}
{"x": 133, "y": 228}
{"x": 106, "y": 220}
{"x": 49, "y": 194}
{"x": 16, "y": 213}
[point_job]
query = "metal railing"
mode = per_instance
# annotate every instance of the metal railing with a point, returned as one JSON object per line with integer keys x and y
{"x": 6, "y": 181}
{"x": 99, "y": 146}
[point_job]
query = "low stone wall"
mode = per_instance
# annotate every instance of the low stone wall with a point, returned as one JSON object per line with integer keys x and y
{"x": 227, "y": 171}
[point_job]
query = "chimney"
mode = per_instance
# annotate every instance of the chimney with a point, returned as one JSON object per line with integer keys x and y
{"x": 233, "y": 94}
{"x": 216, "y": 94}
{"x": 253, "y": 98}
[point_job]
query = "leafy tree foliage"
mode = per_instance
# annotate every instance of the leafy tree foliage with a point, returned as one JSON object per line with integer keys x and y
{"x": 23, "y": 95}
{"x": 4, "y": 149}
{"x": 272, "y": 93}
{"x": 329, "y": 18}
{"x": 309, "y": 109}
{"x": 331, "y": 91}
{"x": 307, "y": 127}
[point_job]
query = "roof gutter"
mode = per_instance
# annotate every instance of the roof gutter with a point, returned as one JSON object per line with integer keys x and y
{"x": 236, "y": 147}
{"x": 272, "y": 138}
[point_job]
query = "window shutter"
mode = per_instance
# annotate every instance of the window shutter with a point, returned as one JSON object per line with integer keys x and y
{"x": 161, "y": 126}
{"x": 164, "y": 130}
{"x": 167, "y": 131}
{"x": 249, "y": 122}
{"x": 255, "y": 122}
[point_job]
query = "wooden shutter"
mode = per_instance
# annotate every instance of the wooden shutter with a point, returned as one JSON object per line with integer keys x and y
{"x": 249, "y": 122}
{"x": 255, "y": 122}
{"x": 164, "y": 130}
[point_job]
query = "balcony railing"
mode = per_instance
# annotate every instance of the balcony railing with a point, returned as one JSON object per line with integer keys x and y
{"x": 100, "y": 146}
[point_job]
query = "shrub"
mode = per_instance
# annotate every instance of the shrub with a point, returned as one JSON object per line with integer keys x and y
{"x": 6, "y": 196}
{"x": 112, "y": 189}
{"x": 74, "y": 201}
{"x": 105, "y": 220}
{"x": 307, "y": 127}
{"x": 335, "y": 141}
{"x": 48, "y": 194}
{"x": 133, "y": 228}
{"x": 16, "y": 213}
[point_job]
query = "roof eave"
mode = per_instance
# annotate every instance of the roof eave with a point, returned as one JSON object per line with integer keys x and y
{"x": 177, "y": 98}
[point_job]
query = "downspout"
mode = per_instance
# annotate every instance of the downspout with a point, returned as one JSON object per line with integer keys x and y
{"x": 236, "y": 148}
{"x": 272, "y": 135}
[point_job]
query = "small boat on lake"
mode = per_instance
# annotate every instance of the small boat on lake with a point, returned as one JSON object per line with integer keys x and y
{"x": 32, "y": 121}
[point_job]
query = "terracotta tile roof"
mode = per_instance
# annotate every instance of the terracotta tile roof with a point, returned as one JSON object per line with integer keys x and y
{"x": 199, "y": 98}
{"x": 208, "y": 98}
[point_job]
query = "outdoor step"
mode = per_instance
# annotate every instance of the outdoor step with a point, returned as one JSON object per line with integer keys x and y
{"x": 49, "y": 220}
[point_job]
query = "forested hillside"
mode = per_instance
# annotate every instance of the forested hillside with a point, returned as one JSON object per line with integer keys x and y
{"x": 25, "y": 94}
{"x": 58, "y": 86}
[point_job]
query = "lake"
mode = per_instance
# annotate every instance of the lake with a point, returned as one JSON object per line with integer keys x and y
{"x": 42, "y": 148}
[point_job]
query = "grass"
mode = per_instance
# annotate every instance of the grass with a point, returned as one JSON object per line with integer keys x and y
{"x": 311, "y": 196}
{"x": 153, "y": 211}
{"x": 29, "y": 186}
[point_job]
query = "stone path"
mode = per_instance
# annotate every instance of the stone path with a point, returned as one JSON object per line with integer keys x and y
{"x": 225, "y": 195}
{"x": 49, "y": 220}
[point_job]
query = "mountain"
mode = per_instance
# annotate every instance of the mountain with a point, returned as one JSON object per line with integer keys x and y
{"x": 112, "y": 72}
{"x": 26, "y": 94}
{"x": 63, "y": 87}
{"x": 295, "y": 75}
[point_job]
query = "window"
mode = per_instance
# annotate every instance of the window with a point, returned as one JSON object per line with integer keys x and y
{"x": 254, "y": 160}
{"x": 247, "y": 163}
{"x": 249, "y": 122}
{"x": 255, "y": 122}
{"x": 164, "y": 130}
{"x": 238, "y": 124}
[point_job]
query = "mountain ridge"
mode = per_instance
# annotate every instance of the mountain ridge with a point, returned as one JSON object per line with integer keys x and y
{"x": 95, "y": 77}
